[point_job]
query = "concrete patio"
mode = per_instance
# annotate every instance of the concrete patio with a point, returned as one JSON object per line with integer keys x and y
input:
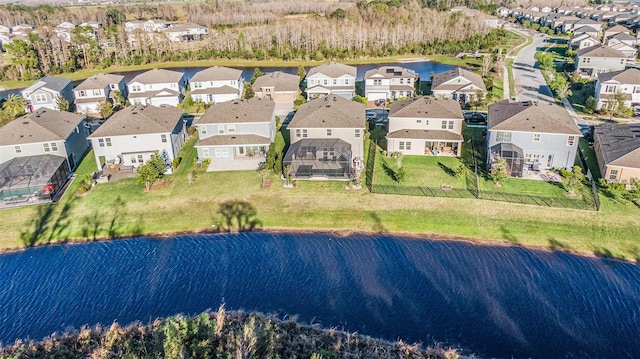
{"x": 242, "y": 163}
{"x": 541, "y": 175}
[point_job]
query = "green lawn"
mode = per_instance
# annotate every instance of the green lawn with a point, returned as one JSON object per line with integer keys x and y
{"x": 579, "y": 94}
{"x": 512, "y": 83}
{"x": 427, "y": 171}
{"x": 590, "y": 156}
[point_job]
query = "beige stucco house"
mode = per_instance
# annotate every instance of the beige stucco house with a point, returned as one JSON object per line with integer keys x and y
{"x": 280, "y": 87}
{"x": 617, "y": 148}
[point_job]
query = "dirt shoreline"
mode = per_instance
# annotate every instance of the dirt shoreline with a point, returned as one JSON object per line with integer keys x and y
{"x": 334, "y": 232}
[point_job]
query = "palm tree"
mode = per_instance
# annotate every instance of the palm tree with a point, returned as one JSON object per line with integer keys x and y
{"x": 14, "y": 105}
{"x": 564, "y": 90}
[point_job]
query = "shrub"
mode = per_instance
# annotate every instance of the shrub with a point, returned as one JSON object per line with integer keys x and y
{"x": 206, "y": 162}
{"x": 565, "y": 173}
{"x": 86, "y": 184}
{"x": 191, "y": 130}
{"x": 176, "y": 162}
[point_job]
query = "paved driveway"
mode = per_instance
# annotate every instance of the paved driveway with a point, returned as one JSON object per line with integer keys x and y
{"x": 529, "y": 82}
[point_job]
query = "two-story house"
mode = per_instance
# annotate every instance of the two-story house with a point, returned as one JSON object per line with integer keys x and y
{"x": 531, "y": 136}
{"x": 327, "y": 136}
{"x": 617, "y": 148}
{"x": 389, "y": 82}
{"x": 624, "y": 43}
{"x": 592, "y": 60}
{"x": 45, "y": 93}
{"x": 426, "y": 126}
{"x": 625, "y": 82}
{"x": 133, "y": 134}
{"x": 615, "y": 30}
{"x": 582, "y": 40}
{"x": 458, "y": 84}
{"x": 157, "y": 87}
{"x": 281, "y": 87}
{"x": 331, "y": 78}
{"x": 587, "y": 30}
{"x": 96, "y": 89}
{"x": 236, "y": 134}
{"x": 217, "y": 84}
{"x": 185, "y": 31}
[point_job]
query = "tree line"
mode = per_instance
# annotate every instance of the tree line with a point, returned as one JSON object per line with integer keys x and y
{"x": 261, "y": 31}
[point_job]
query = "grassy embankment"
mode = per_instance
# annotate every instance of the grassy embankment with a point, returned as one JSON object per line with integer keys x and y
{"x": 524, "y": 42}
{"x": 121, "y": 208}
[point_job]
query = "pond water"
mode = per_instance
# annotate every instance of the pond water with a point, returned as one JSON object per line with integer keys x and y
{"x": 491, "y": 300}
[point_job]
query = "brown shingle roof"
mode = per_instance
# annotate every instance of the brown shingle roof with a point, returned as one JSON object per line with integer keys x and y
{"x": 138, "y": 120}
{"x": 426, "y": 135}
{"x": 330, "y": 111}
{"x": 628, "y": 77}
{"x": 224, "y": 90}
{"x": 391, "y": 72}
{"x": 619, "y": 144}
{"x": 233, "y": 140}
{"x": 441, "y": 78}
{"x": 158, "y": 76}
{"x": 99, "y": 81}
{"x": 217, "y": 73}
{"x": 279, "y": 80}
{"x": 531, "y": 117}
{"x": 239, "y": 110}
{"x": 333, "y": 70}
{"x": 40, "y": 126}
{"x": 600, "y": 51}
{"x": 426, "y": 107}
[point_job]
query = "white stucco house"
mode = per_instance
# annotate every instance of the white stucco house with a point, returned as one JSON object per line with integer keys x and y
{"x": 98, "y": 88}
{"x": 216, "y": 84}
{"x": 157, "y": 87}
{"x": 389, "y": 82}
{"x": 626, "y": 82}
{"x": 331, "y": 78}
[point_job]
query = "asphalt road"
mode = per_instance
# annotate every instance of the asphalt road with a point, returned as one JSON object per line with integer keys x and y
{"x": 529, "y": 82}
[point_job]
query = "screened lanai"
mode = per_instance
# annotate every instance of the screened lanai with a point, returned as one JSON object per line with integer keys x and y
{"x": 330, "y": 157}
{"x": 512, "y": 154}
{"x": 34, "y": 177}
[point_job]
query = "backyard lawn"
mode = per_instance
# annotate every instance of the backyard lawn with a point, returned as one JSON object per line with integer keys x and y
{"x": 428, "y": 171}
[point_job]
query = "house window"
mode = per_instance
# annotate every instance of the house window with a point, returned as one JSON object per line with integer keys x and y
{"x": 407, "y": 145}
{"x": 82, "y": 93}
{"x": 54, "y": 146}
{"x": 636, "y": 89}
{"x": 346, "y": 81}
{"x": 527, "y": 158}
{"x": 140, "y": 159}
{"x": 536, "y": 158}
{"x": 418, "y": 121}
{"x": 163, "y": 138}
{"x": 231, "y": 128}
{"x": 613, "y": 175}
{"x": 622, "y": 61}
{"x": 536, "y": 137}
{"x": 377, "y": 82}
{"x": 108, "y": 141}
{"x": 304, "y": 133}
{"x": 97, "y": 93}
{"x": 136, "y": 88}
{"x": 222, "y": 152}
{"x": 101, "y": 142}
{"x": 197, "y": 85}
{"x": 571, "y": 140}
{"x": 221, "y": 129}
{"x": 203, "y": 130}
{"x": 132, "y": 159}
{"x": 18, "y": 149}
{"x": 451, "y": 125}
{"x": 40, "y": 98}
{"x": 46, "y": 147}
{"x": 503, "y": 136}
{"x": 444, "y": 125}
{"x": 401, "y": 81}
{"x": 328, "y": 132}
{"x": 357, "y": 133}
{"x": 610, "y": 89}
{"x": 174, "y": 85}
{"x": 335, "y": 82}
{"x": 298, "y": 133}
{"x": 205, "y": 153}
{"x": 401, "y": 145}
{"x": 325, "y": 82}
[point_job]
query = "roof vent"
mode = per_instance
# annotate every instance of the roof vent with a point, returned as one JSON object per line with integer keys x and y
{"x": 134, "y": 113}
{"x": 236, "y": 102}
{"x": 233, "y": 137}
{"x": 25, "y": 122}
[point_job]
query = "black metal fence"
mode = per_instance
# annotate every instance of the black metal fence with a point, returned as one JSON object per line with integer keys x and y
{"x": 588, "y": 201}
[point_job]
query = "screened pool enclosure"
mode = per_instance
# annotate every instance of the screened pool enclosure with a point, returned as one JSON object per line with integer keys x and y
{"x": 32, "y": 178}
{"x": 330, "y": 158}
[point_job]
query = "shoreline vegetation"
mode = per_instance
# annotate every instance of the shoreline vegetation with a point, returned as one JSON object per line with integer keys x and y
{"x": 232, "y": 334}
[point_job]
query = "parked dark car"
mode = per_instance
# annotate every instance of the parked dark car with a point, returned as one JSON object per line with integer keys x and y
{"x": 475, "y": 117}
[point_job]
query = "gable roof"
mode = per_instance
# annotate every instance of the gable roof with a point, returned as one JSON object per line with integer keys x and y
{"x": 158, "y": 76}
{"x": 442, "y": 77}
{"x": 99, "y": 81}
{"x": 240, "y": 110}
{"x": 330, "y": 111}
{"x": 139, "y": 120}
{"x": 40, "y": 126}
{"x": 622, "y": 36}
{"x": 216, "y": 73}
{"x": 617, "y": 28}
{"x": 391, "y": 72}
{"x": 333, "y": 70}
{"x": 586, "y": 21}
{"x": 584, "y": 29}
{"x": 600, "y": 51}
{"x": 53, "y": 83}
{"x": 531, "y": 117}
{"x": 629, "y": 76}
{"x": 426, "y": 107}
{"x": 279, "y": 80}
{"x": 619, "y": 144}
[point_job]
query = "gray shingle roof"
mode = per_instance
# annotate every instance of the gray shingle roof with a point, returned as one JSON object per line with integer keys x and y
{"x": 233, "y": 140}
{"x": 426, "y": 135}
{"x": 622, "y": 36}
{"x": 217, "y": 73}
{"x": 629, "y": 76}
{"x": 531, "y": 117}
{"x": 442, "y": 77}
{"x": 333, "y": 70}
{"x": 391, "y": 72}
{"x": 619, "y": 144}
{"x": 99, "y": 81}
{"x": 600, "y": 51}
{"x": 158, "y": 76}
{"x": 279, "y": 80}
{"x": 223, "y": 90}
{"x": 40, "y": 126}
{"x": 138, "y": 120}
{"x": 239, "y": 110}
{"x": 426, "y": 107}
{"x": 50, "y": 82}
{"x": 584, "y": 29}
{"x": 330, "y": 111}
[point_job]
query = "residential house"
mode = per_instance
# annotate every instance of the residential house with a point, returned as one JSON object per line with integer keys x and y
{"x": 588, "y": 22}
{"x": 569, "y": 23}
{"x": 22, "y": 29}
{"x": 626, "y": 82}
{"x": 98, "y": 88}
{"x": 426, "y": 126}
{"x": 629, "y": 51}
{"x": 236, "y": 134}
{"x": 595, "y": 59}
{"x": 133, "y": 134}
{"x": 45, "y": 93}
{"x": 93, "y": 24}
{"x": 157, "y": 87}
{"x": 45, "y": 132}
{"x": 615, "y": 30}
{"x": 617, "y": 149}
{"x": 621, "y": 38}
{"x": 217, "y": 84}
{"x": 185, "y": 31}
{"x": 134, "y": 25}
{"x": 458, "y": 84}
{"x": 582, "y": 40}
{"x": 389, "y": 82}
{"x": 38, "y": 152}
{"x": 156, "y": 25}
{"x": 331, "y": 78}
{"x": 587, "y": 30}
{"x": 531, "y": 136}
{"x": 5, "y": 29}
{"x": 327, "y": 136}
{"x": 280, "y": 87}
